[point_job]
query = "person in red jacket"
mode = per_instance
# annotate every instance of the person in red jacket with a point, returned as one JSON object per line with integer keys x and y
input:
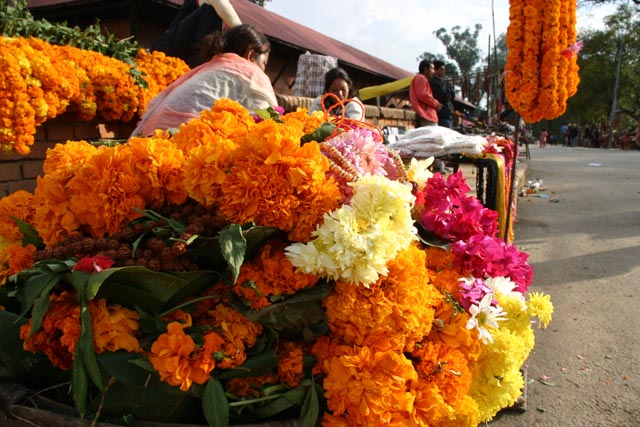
{"x": 421, "y": 96}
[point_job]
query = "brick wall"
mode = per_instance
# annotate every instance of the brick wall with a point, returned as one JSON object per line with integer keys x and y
{"x": 20, "y": 172}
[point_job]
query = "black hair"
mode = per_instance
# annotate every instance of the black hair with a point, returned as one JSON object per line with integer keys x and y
{"x": 424, "y": 64}
{"x": 239, "y": 40}
{"x": 336, "y": 73}
{"x": 438, "y": 64}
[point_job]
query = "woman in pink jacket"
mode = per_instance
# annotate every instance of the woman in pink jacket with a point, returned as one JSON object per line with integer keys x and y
{"x": 236, "y": 73}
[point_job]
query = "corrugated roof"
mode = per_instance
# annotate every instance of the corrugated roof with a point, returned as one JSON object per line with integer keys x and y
{"x": 290, "y": 32}
{"x": 286, "y": 31}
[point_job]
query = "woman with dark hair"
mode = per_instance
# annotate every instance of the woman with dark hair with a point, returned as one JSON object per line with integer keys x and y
{"x": 338, "y": 84}
{"x": 192, "y": 28}
{"x": 236, "y": 71}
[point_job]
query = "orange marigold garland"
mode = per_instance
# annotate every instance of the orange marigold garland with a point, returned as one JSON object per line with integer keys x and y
{"x": 541, "y": 71}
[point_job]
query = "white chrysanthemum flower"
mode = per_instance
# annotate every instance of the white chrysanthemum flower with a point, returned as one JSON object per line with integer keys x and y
{"x": 483, "y": 316}
{"x": 505, "y": 286}
{"x": 356, "y": 241}
{"x": 419, "y": 172}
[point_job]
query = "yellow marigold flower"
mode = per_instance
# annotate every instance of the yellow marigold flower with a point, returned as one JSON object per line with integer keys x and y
{"x": 466, "y": 414}
{"x": 540, "y": 306}
{"x": 272, "y": 274}
{"x": 444, "y": 366}
{"x": 304, "y": 121}
{"x": 429, "y": 407}
{"x": 290, "y": 363}
{"x": 205, "y": 165}
{"x": 103, "y": 193}
{"x": 18, "y": 204}
{"x": 276, "y": 182}
{"x": 229, "y": 119}
{"x": 20, "y": 257}
{"x": 114, "y": 327}
{"x": 58, "y": 336}
{"x": 170, "y": 356}
{"x": 238, "y": 333}
{"x": 158, "y": 169}
{"x": 371, "y": 388}
{"x": 394, "y": 313}
{"x": 449, "y": 328}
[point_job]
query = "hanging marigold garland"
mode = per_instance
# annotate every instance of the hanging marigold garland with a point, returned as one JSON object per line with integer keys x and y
{"x": 541, "y": 71}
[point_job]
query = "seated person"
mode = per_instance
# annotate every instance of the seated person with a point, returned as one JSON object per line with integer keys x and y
{"x": 237, "y": 73}
{"x": 195, "y": 20}
{"x": 338, "y": 83}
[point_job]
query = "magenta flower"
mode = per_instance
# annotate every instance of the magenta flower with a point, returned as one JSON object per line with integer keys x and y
{"x": 487, "y": 256}
{"x": 450, "y": 213}
{"x": 471, "y": 292}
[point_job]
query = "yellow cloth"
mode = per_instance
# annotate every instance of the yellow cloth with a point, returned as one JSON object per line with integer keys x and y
{"x": 373, "y": 91}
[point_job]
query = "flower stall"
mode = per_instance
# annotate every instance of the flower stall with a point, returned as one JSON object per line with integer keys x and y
{"x": 256, "y": 267}
{"x": 250, "y": 269}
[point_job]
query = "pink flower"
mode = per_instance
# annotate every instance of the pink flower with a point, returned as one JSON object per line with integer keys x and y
{"x": 472, "y": 291}
{"x": 93, "y": 264}
{"x": 486, "y": 256}
{"x": 450, "y": 213}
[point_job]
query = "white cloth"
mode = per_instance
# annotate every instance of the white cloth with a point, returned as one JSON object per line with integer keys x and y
{"x": 225, "y": 76}
{"x": 353, "y": 110}
{"x": 427, "y": 141}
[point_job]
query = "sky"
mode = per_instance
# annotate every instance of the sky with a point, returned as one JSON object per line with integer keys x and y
{"x": 400, "y": 31}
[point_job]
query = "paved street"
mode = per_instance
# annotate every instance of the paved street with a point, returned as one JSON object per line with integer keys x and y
{"x": 583, "y": 237}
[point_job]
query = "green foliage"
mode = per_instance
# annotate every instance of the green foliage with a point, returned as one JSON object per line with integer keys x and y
{"x": 461, "y": 46}
{"x": 17, "y": 21}
{"x": 598, "y": 62}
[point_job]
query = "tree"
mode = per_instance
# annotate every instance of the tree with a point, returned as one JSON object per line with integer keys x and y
{"x": 461, "y": 46}
{"x": 598, "y": 63}
{"x": 451, "y": 67}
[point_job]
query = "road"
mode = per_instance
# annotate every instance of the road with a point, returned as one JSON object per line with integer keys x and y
{"x": 584, "y": 244}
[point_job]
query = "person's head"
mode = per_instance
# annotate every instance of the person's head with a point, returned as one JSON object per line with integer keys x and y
{"x": 243, "y": 40}
{"x": 337, "y": 82}
{"x": 439, "y": 67}
{"x": 426, "y": 67}
{"x": 248, "y": 42}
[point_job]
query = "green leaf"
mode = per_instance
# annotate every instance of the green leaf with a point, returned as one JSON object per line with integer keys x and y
{"x": 215, "y": 405}
{"x": 29, "y": 234}
{"x": 273, "y": 408}
{"x": 207, "y": 252}
{"x": 152, "y": 291}
{"x": 300, "y": 312}
{"x": 255, "y": 366}
{"x": 310, "y": 408}
{"x": 79, "y": 382}
{"x": 118, "y": 364}
{"x": 85, "y": 343}
{"x": 430, "y": 239}
{"x": 233, "y": 245}
{"x": 319, "y": 134}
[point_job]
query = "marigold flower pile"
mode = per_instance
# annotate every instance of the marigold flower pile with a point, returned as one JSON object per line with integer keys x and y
{"x": 40, "y": 81}
{"x": 541, "y": 71}
{"x": 414, "y": 335}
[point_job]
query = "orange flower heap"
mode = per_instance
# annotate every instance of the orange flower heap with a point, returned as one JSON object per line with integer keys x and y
{"x": 114, "y": 329}
{"x": 274, "y": 181}
{"x": 541, "y": 70}
{"x": 270, "y": 274}
{"x": 179, "y": 363}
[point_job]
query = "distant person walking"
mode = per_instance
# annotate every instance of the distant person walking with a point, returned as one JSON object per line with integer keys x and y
{"x": 544, "y": 135}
